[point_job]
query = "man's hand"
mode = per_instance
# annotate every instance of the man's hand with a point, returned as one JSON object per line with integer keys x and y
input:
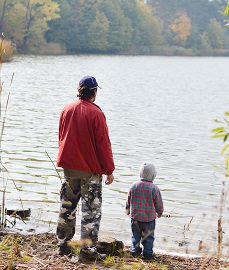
{"x": 110, "y": 179}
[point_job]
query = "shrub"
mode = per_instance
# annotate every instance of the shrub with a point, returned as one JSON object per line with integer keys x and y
{"x": 52, "y": 49}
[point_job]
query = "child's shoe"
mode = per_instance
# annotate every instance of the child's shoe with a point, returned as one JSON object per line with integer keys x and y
{"x": 148, "y": 257}
{"x": 137, "y": 253}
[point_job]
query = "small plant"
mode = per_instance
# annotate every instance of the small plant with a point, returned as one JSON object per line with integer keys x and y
{"x": 4, "y": 247}
{"x": 223, "y": 132}
{"x": 109, "y": 260}
{"x": 26, "y": 258}
{"x": 75, "y": 250}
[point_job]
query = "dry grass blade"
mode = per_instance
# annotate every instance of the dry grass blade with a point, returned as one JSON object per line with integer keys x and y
{"x": 2, "y": 209}
{"x": 1, "y": 45}
{"x": 6, "y": 107}
{"x": 13, "y": 183}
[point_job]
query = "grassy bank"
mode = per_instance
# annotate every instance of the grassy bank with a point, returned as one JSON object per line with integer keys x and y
{"x": 41, "y": 252}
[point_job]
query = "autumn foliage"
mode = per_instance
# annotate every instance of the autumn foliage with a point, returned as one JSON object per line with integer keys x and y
{"x": 181, "y": 27}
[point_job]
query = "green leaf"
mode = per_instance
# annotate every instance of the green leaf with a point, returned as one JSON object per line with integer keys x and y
{"x": 217, "y": 121}
{"x": 218, "y": 136}
{"x": 225, "y": 138}
{"x": 227, "y": 163}
{"x": 219, "y": 129}
{"x": 224, "y": 149}
{"x": 226, "y": 10}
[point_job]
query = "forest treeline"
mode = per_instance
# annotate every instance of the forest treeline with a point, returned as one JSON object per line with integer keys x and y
{"x": 176, "y": 27}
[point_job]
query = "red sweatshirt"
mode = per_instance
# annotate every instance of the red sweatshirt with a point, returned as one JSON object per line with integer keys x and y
{"x": 84, "y": 142}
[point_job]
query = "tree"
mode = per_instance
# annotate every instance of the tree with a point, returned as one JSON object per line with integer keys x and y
{"x": 3, "y": 9}
{"x": 120, "y": 30}
{"x": 58, "y": 29}
{"x": 150, "y": 27}
{"x": 98, "y": 33}
{"x": 193, "y": 40}
{"x": 38, "y": 12}
{"x": 181, "y": 29}
{"x": 6, "y": 7}
{"x": 215, "y": 34}
{"x": 204, "y": 42}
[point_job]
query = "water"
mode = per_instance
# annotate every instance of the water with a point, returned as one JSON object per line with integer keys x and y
{"x": 158, "y": 109}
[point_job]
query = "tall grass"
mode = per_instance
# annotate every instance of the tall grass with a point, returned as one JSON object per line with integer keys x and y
{"x": 6, "y": 50}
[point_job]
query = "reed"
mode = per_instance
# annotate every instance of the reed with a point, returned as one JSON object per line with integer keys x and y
{"x": 2, "y": 206}
{"x": 4, "y": 47}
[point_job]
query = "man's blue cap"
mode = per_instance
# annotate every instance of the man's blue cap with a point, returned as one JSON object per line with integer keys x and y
{"x": 89, "y": 81}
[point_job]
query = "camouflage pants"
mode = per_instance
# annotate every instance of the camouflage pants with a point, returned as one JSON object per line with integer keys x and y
{"x": 88, "y": 187}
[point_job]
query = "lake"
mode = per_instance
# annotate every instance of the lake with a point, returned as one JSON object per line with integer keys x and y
{"x": 158, "y": 109}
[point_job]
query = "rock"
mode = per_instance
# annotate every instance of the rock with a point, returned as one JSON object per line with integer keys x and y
{"x": 21, "y": 213}
{"x": 110, "y": 246}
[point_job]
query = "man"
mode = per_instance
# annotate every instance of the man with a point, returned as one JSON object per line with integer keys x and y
{"x": 85, "y": 154}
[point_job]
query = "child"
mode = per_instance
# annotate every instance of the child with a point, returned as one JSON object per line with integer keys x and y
{"x": 144, "y": 204}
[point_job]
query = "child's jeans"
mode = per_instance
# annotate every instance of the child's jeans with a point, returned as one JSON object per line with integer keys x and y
{"x": 142, "y": 232}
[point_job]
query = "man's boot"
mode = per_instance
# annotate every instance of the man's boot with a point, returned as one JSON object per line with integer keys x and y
{"x": 64, "y": 250}
{"x": 90, "y": 254}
